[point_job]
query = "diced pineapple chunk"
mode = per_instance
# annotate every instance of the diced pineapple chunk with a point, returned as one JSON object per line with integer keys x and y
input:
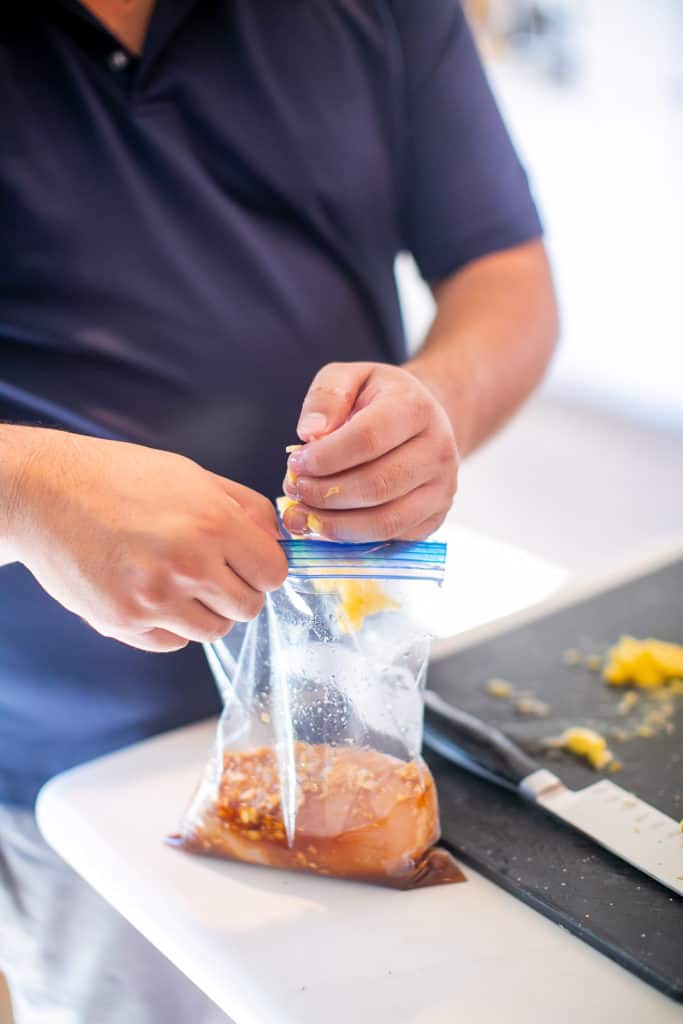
{"x": 584, "y": 743}
{"x": 358, "y": 600}
{"x": 647, "y": 663}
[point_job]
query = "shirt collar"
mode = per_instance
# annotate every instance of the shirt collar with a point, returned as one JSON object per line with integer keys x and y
{"x": 166, "y": 18}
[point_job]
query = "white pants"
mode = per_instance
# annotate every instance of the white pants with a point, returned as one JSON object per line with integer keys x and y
{"x": 68, "y": 956}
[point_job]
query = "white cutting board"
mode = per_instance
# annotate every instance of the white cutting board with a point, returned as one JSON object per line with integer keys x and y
{"x": 278, "y": 948}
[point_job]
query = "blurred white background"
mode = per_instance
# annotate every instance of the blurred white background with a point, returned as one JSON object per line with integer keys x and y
{"x": 592, "y": 91}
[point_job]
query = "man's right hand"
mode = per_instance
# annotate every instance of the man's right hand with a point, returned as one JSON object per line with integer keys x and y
{"x": 144, "y": 545}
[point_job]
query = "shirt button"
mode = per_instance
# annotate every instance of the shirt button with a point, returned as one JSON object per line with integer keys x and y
{"x": 118, "y": 60}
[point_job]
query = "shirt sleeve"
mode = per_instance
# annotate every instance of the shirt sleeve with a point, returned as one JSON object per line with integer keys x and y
{"x": 465, "y": 192}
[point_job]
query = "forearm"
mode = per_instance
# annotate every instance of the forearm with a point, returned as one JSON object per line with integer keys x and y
{"x": 492, "y": 338}
{"x": 18, "y": 446}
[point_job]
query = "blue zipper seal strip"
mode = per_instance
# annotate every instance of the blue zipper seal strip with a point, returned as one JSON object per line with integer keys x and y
{"x": 390, "y": 560}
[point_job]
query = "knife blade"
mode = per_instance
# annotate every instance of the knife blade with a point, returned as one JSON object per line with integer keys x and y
{"x": 610, "y": 815}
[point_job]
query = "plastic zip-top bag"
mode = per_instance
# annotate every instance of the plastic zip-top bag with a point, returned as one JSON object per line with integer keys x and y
{"x": 317, "y": 764}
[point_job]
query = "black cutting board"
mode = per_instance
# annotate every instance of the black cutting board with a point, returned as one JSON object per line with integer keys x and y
{"x": 623, "y": 913}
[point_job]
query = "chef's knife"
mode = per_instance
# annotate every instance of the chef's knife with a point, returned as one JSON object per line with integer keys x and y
{"x": 610, "y": 815}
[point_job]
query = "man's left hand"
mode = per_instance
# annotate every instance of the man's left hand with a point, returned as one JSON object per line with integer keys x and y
{"x": 379, "y": 460}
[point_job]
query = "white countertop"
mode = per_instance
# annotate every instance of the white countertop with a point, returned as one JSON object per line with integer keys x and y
{"x": 274, "y": 947}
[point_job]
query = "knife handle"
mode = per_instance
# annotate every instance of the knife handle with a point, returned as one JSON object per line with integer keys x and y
{"x": 500, "y": 759}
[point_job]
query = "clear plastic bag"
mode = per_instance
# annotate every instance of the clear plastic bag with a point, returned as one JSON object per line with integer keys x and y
{"x": 317, "y": 762}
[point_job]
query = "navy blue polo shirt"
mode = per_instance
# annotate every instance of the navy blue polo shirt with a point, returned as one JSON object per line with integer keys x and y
{"x": 186, "y": 237}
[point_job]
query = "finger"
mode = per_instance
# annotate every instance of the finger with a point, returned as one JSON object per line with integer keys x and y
{"x": 256, "y": 558}
{"x": 227, "y": 595}
{"x": 195, "y": 621}
{"x": 259, "y": 509}
{"x": 331, "y": 398}
{"x": 425, "y": 529}
{"x": 156, "y": 641}
{"x": 372, "y": 432}
{"x": 385, "y": 479}
{"x": 386, "y": 522}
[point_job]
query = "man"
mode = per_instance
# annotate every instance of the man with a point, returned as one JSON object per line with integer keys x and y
{"x": 201, "y": 202}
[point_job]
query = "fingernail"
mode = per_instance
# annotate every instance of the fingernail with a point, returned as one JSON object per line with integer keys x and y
{"x": 291, "y": 477}
{"x": 283, "y": 504}
{"x": 296, "y": 463}
{"x": 296, "y": 519}
{"x": 312, "y": 424}
{"x": 290, "y": 489}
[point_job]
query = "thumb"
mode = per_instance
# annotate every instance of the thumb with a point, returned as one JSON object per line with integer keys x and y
{"x": 331, "y": 398}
